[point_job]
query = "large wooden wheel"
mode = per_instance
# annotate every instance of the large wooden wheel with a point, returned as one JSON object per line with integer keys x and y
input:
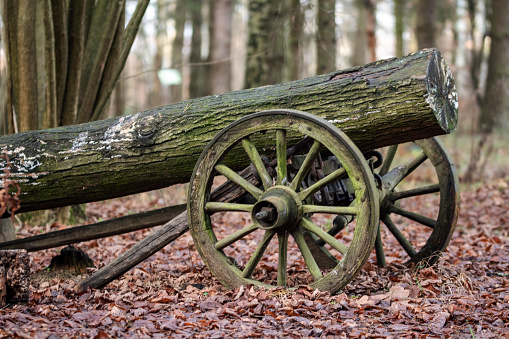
{"x": 278, "y": 208}
{"x": 404, "y": 219}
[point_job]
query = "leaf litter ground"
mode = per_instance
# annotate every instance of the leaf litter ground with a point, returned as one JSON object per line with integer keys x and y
{"x": 173, "y": 294}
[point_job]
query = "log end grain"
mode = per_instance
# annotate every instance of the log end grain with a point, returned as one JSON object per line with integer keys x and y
{"x": 442, "y": 96}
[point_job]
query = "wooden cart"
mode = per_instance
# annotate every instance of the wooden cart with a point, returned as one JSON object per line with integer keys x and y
{"x": 282, "y": 167}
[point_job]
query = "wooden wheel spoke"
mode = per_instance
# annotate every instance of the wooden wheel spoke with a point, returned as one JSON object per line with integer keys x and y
{"x": 342, "y": 210}
{"x": 403, "y": 241}
{"x": 329, "y": 239}
{"x": 306, "y": 165}
{"x": 257, "y": 255}
{"x": 236, "y": 178}
{"x": 421, "y": 219}
{"x": 282, "y": 175}
{"x": 415, "y": 163}
{"x": 255, "y": 158}
{"x": 429, "y": 189}
{"x": 389, "y": 157}
{"x": 321, "y": 183}
{"x": 227, "y": 207}
{"x": 282, "y": 239}
{"x": 306, "y": 254}
{"x": 226, "y": 241}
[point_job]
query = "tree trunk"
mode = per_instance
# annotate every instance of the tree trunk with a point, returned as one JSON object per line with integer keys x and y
{"x": 399, "y": 14}
{"x": 294, "y": 40}
{"x": 265, "y": 47}
{"x": 177, "y": 58}
{"x": 198, "y": 84}
{"x": 359, "y": 54}
{"x": 220, "y": 70}
{"x": 326, "y": 41}
{"x": 384, "y": 103}
{"x": 19, "y": 19}
{"x": 371, "y": 28}
{"x": 496, "y": 100}
{"x": 425, "y": 31}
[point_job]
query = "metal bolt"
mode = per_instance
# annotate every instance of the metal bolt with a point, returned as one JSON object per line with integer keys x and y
{"x": 263, "y": 215}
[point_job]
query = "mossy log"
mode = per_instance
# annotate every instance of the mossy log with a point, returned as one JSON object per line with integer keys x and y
{"x": 379, "y": 104}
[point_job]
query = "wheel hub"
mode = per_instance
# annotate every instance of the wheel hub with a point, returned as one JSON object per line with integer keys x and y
{"x": 279, "y": 209}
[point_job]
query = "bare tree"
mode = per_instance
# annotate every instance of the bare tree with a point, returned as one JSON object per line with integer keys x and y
{"x": 326, "y": 40}
{"x": 266, "y": 43}
{"x": 426, "y": 21}
{"x": 399, "y": 14}
{"x": 221, "y": 73}
{"x": 296, "y": 23}
{"x": 177, "y": 59}
{"x": 199, "y": 71}
{"x": 364, "y": 44}
{"x": 496, "y": 99}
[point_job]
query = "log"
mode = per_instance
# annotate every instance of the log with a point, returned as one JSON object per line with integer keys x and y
{"x": 14, "y": 276}
{"x": 379, "y": 104}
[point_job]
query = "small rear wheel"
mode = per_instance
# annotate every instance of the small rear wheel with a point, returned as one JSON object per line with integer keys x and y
{"x": 420, "y": 215}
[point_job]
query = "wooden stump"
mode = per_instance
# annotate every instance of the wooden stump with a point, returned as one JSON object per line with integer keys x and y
{"x": 71, "y": 259}
{"x": 14, "y": 276}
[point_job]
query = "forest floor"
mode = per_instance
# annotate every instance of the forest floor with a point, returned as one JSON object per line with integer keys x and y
{"x": 466, "y": 295}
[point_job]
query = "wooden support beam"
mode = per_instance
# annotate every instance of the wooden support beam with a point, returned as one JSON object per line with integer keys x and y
{"x": 107, "y": 228}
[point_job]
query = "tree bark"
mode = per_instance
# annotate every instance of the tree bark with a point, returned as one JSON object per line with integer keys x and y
{"x": 177, "y": 58}
{"x": 220, "y": 70}
{"x": 496, "y": 99}
{"x": 294, "y": 39}
{"x": 14, "y": 276}
{"x": 265, "y": 47}
{"x": 198, "y": 86}
{"x": 20, "y": 27}
{"x": 379, "y": 104}
{"x": 326, "y": 42}
{"x": 399, "y": 13}
{"x": 359, "y": 54}
{"x": 425, "y": 31}
{"x": 77, "y": 38}
{"x": 103, "y": 28}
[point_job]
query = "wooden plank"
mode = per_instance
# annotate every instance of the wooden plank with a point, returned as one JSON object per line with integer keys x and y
{"x": 128, "y": 223}
{"x": 136, "y": 254}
